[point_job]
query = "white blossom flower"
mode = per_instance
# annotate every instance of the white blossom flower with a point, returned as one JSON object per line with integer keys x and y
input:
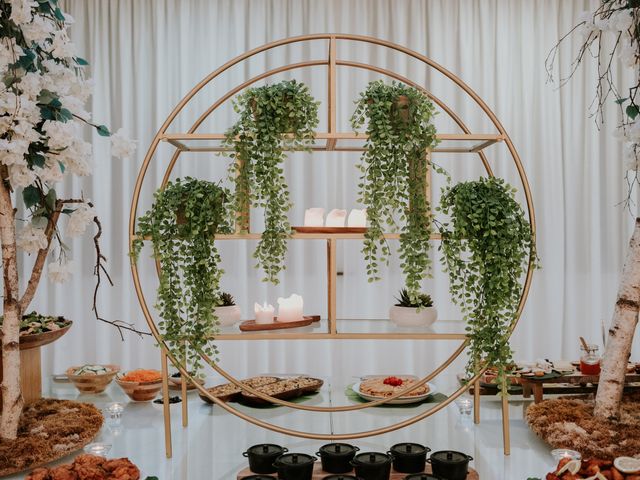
{"x": 75, "y": 105}
{"x": 620, "y": 20}
{"x": 31, "y": 239}
{"x": 21, "y": 176}
{"x": 628, "y": 54}
{"x": 61, "y": 134}
{"x": 21, "y": 11}
{"x": 38, "y": 30}
{"x": 630, "y": 157}
{"x": 30, "y": 84}
{"x": 121, "y": 146}
{"x": 51, "y": 173}
{"x": 59, "y": 272}
{"x": 77, "y": 158}
{"x": 80, "y": 219}
{"x": 588, "y": 26}
{"x": 61, "y": 46}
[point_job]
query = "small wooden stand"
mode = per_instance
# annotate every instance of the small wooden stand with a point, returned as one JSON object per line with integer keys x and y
{"x": 319, "y": 474}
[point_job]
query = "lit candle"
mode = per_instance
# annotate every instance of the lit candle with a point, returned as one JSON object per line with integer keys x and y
{"x": 314, "y": 217}
{"x": 336, "y": 218}
{"x": 357, "y": 218}
{"x": 264, "y": 313}
{"x": 290, "y": 309}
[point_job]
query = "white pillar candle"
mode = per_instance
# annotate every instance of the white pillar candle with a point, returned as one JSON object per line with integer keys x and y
{"x": 290, "y": 309}
{"x": 357, "y": 218}
{"x": 336, "y": 218}
{"x": 264, "y": 313}
{"x": 314, "y": 217}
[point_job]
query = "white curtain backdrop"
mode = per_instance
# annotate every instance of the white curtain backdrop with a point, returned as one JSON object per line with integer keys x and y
{"x": 146, "y": 55}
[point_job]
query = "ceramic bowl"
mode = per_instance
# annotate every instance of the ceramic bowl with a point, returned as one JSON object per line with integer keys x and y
{"x": 412, "y": 317}
{"x": 140, "y": 391}
{"x": 92, "y": 384}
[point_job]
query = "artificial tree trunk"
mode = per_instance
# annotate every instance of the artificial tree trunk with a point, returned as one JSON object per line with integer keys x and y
{"x": 12, "y": 401}
{"x": 623, "y": 326}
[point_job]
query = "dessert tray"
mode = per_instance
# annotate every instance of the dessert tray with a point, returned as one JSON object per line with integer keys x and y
{"x": 374, "y": 388}
{"x": 283, "y": 388}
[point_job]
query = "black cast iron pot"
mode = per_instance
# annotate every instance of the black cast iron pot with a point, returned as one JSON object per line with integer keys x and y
{"x": 372, "y": 465}
{"x": 259, "y": 477}
{"x": 262, "y": 456}
{"x": 450, "y": 465}
{"x": 295, "y": 466}
{"x": 421, "y": 476}
{"x": 336, "y": 457}
{"x": 409, "y": 457}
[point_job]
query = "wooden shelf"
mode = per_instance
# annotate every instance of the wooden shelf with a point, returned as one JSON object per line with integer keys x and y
{"x": 310, "y": 236}
{"x": 353, "y": 329}
{"x": 339, "y": 142}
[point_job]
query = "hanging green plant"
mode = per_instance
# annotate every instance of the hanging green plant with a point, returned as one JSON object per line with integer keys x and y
{"x": 273, "y": 118}
{"x": 393, "y": 184}
{"x": 487, "y": 245}
{"x": 185, "y": 216}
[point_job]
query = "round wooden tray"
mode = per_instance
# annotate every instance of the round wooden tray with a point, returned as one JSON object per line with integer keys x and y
{"x": 252, "y": 326}
{"x": 39, "y": 339}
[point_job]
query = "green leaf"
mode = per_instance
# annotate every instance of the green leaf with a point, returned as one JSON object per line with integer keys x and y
{"x": 81, "y": 61}
{"x": 58, "y": 14}
{"x": 31, "y": 196}
{"x": 620, "y": 101}
{"x": 103, "y": 131}
{"x": 50, "y": 199}
{"x": 632, "y": 111}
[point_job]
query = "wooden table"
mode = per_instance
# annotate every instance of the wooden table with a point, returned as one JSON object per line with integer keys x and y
{"x": 573, "y": 383}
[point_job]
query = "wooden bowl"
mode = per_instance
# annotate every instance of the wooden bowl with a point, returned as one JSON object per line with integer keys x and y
{"x": 92, "y": 384}
{"x": 140, "y": 391}
{"x": 35, "y": 340}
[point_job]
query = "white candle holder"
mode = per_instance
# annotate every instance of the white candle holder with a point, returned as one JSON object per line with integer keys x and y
{"x": 465, "y": 405}
{"x": 114, "y": 412}
{"x": 100, "y": 449}
{"x": 561, "y": 453}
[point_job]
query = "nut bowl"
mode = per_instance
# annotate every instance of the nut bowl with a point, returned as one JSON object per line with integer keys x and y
{"x": 92, "y": 383}
{"x": 140, "y": 391}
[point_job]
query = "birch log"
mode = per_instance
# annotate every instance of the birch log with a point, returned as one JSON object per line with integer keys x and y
{"x": 12, "y": 401}
{"x": 623, "y": 326}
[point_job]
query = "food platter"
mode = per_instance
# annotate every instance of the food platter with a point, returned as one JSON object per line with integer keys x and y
{"x": 397, "y": 401}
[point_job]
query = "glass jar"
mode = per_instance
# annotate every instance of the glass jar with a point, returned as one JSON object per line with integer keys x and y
{"x": 590, "y": 360}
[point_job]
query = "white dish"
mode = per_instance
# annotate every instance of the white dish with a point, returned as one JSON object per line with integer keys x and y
{"x": 397, "y": 401}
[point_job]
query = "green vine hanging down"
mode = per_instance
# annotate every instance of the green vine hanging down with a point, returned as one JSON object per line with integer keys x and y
{"x": 273, "y": 118}
{"x": 181, "y": 224}
{"x": 487, "y": 246}
{"x": 393, "y": 183}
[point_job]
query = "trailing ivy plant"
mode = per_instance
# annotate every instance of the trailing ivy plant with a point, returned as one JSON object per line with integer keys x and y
{"x": 185, "y": 216}
{"x": 393, "y": 183}
{"x": 273, "y": 118}
{"x": 487, "y": 245}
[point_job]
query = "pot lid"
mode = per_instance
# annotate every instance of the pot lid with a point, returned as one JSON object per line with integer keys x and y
{"x": 295, "y": 459}
{"x": 338, "y": 449}
{"x": 371, "y": 458}
{"x": 409, "y": 449}
{"x": 449, "y": 456}
{"x": 421, "y": 476}
{"x": 268, "y": 449}
{"x": 259, "y": 477}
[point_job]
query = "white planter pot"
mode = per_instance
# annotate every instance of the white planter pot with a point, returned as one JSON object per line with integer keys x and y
{"x": 411, "y": 317}
{"x": 227, "y": 315}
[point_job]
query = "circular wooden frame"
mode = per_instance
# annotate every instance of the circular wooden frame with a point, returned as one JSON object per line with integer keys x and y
{"x": 331, "y": 62}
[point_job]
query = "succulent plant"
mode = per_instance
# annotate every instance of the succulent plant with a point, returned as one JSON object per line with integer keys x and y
{"x": 226, "y": 300}
{"x": 424, "y": 300}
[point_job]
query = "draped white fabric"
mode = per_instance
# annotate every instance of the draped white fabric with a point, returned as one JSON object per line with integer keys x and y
{"x": 146, "y": 55}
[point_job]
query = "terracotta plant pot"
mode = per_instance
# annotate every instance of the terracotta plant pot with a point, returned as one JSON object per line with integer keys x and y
{"x": 227, "y": 316}
{"x": 411, "y": 317}
{"x": 92, "y": 384}
{"x": 140, "y": 391}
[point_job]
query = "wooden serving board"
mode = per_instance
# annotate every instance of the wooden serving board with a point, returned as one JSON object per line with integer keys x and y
{"x": 252, "y": 326}
{"x": 319, "y": 474}
{"x": 330, "y": 229}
